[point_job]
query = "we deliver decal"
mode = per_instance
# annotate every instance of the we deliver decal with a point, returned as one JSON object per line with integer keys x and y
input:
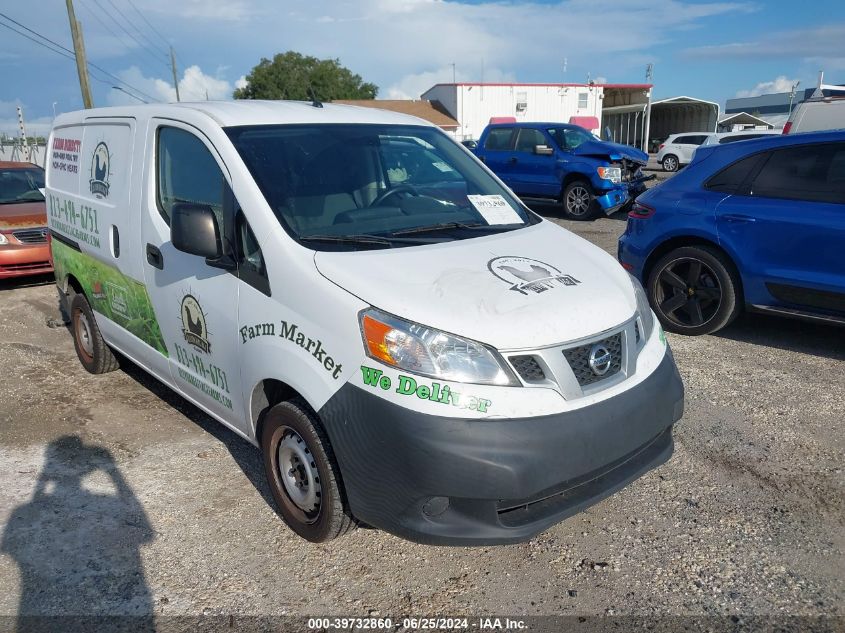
{"x": 434, "y": 392}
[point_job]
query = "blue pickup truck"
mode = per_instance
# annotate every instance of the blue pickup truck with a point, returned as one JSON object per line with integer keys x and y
{"x": 565, "y": 163}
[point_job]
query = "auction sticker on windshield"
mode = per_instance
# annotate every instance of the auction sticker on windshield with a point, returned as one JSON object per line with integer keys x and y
{"x": 495, "y": 209}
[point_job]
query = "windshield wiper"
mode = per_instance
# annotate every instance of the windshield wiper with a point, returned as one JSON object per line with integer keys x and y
{"x": 451, "y": 225}
{"x": 366, "y": 239}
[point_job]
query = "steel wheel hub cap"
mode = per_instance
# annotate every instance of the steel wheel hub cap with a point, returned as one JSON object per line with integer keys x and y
{"x": 298, "y": 472}
{"x": 84, "y": 334}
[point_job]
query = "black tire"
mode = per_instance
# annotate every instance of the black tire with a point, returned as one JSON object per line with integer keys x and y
{"x": 291, "y": 435}
{"x": 695, "y": 290}
{"x": 579, "y": 201}
{"x": 93, "y": 352}
{"x": 670, "y": 163}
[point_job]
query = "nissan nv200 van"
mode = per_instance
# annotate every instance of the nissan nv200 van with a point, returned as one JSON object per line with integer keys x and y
{"x": 349, "y": 289}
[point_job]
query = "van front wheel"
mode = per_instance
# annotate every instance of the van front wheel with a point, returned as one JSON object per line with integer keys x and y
{"x": 93, "y": 352}
{"x": 303, "y": 474}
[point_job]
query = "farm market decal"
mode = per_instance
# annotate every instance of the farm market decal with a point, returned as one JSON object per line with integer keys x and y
{"x": 434, "y": 392}
{"x": 111, "y": 293}
{"x": 526, "y": 275}
{"x": 193, "y": 324}
{"x": 100, "y": 171}
{"x": 65, "y": 155}
{"x": 78, "y": 221}
{"x": 292, "y": 333}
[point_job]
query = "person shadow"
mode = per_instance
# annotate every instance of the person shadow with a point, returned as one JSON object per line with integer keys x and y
{"x": 77, "y": 545}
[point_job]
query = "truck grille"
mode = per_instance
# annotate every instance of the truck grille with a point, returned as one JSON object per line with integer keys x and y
{"x": 579, "y": 359}
{"x": 31, "y": 236}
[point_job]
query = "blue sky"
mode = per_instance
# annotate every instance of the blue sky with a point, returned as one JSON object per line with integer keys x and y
{"x": 709, "y": 49}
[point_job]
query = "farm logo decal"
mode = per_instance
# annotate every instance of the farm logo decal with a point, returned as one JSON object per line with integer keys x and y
{"x": 193, "y": 324}
{"x": 100, "y": 170}
{"x": 529, "y": 275}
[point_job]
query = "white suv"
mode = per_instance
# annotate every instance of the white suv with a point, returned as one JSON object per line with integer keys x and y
{"x": 677, "y": 150}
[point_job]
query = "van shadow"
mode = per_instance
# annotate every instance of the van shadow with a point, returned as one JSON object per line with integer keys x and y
{"x": 792, "y": 335}
{"x": 77, "y": 545}
{"x": 246, "y": 456}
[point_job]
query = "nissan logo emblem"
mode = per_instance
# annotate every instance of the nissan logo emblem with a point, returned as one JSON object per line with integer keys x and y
{"x": 600, "y": 359}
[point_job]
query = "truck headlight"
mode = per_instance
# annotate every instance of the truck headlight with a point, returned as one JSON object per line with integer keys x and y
{"x": 429, "y": 352}
{"x": 643, "y": 308}
{"x": 3, "y": 240}
{"x": 613, "y": 174}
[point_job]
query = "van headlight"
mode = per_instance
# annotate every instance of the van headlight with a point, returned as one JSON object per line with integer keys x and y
{"x": 429, "y": 352}
{"x": 643, "y": 308}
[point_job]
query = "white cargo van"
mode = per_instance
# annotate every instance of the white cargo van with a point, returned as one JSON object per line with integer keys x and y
{"x": 353, "y": 292}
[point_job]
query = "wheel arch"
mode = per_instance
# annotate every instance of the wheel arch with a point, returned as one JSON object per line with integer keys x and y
{"x": 266, "y": 394}
{"x": 572, "y": 177}
{"x": 679, "y": 241}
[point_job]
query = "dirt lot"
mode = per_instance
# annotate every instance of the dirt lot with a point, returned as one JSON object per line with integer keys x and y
{"x": 118, "y": 497}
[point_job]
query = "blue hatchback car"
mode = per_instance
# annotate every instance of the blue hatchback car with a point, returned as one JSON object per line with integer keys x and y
{"x": 757, "y": 225}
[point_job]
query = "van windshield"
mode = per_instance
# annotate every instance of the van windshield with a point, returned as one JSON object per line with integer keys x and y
{"x": 349, "y": 187}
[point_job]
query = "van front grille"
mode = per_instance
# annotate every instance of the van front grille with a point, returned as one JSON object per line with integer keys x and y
{"x": 528, "y": 368}
{"x": 579, "y": 359}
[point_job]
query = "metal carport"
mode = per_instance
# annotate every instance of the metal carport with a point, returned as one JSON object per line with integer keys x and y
{"x": 682, "y": 114}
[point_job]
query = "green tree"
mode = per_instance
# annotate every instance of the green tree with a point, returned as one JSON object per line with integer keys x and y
{"x": 294, "y": 76}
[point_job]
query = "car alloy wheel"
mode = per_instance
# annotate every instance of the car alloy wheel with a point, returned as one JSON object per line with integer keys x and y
{"x": 578, "y": 200}
{"x": 670, "y": 163}
{"x": 688, "y": 292}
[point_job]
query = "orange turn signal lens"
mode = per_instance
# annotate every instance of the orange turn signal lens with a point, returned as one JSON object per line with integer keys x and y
{"x": 375, "y": 333}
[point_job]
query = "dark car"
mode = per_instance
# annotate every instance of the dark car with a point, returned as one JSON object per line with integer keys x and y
{"x": 469, "y": 143}
{"x": 564, "y": 162}
{"x": 757, "y": 225}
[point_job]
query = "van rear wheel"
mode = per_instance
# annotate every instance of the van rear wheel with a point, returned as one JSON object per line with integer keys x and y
{"x": 303, "y": 474}
{"x": 93, "y": 352}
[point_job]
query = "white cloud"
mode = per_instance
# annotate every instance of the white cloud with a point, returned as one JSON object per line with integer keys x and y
{"x": 35, "y": 126}
{"x": 600, "y": 80}
{"x": 779, "y": 84}
{"x": 241, "y": 82}
{"x": 194, "y": 85}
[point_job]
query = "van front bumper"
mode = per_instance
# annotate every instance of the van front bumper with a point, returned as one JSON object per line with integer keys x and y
{"x": 456, "y": 481}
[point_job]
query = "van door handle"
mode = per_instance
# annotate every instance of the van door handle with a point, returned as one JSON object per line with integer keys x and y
{"x": 738, "y": 217}
{"x": 154, "y": 257}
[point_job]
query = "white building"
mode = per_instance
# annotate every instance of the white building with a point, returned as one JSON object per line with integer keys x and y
{"x": 474, "y": 104}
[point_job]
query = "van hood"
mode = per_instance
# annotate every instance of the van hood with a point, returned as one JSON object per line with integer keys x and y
{"x": 614, "y": 151}
{"x": 529, "y": 288}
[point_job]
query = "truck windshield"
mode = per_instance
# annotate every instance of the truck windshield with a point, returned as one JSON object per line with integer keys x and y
{"x": 349, "y": 187}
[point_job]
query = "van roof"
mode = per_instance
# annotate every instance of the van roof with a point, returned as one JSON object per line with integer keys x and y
{"x": 251, "y": 112}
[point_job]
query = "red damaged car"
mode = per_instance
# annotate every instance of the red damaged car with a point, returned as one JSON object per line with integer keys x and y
{"x": 23, "y": 221}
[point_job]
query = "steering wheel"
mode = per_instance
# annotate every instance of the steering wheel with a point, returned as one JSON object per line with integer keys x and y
{"x": 400, "y": 189}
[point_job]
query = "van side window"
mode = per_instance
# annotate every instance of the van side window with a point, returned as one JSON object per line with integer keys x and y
{"x": 186, "y": 172}
{"x": 251, "y": 268}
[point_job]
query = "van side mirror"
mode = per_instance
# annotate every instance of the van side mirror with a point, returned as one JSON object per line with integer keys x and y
{"x": 543, "y": 150}
{"x": 194, "y": 230}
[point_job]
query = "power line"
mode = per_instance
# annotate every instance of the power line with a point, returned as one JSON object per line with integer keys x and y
{"x": 135, "y": 26}
{"x": 143, "y": 46}
{"x": 69, "y": 52}
{"x": 143, "y": 17}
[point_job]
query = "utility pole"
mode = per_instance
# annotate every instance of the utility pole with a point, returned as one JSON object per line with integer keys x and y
{"x": 173, "y": 68}
{"x": 649, "y": 77}
{"x": 79, "y": 52}
{"x": 27, "y": 156}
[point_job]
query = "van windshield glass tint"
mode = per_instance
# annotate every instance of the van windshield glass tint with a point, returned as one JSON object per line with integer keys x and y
{"x": 334, "y": 181}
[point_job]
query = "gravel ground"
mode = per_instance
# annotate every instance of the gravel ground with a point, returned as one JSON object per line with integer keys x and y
{"x": 118, "y": 497}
